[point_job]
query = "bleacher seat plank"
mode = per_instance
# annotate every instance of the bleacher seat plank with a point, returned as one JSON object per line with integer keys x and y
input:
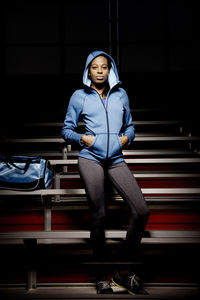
{"x": 125, "y": 152}
{"x": 138, "y": 138}
{"x": 141, "y": 122}
{"x": 154, "y": 236}
{"x": 49, "y": 192}
{"x": 135, "y": 161}
{"x": 145, "y": 152}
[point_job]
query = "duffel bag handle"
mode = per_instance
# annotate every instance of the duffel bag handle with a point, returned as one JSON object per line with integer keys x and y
{"x": 9, "y": 160}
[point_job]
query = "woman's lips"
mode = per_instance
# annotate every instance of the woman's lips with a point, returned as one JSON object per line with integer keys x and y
{"x": 99, "y": 77}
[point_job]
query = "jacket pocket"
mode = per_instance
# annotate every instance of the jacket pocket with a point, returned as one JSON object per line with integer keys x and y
{"x": 98, "y": 147}
{"x": 94, "y": 141}
{"x": 115, "y": 146}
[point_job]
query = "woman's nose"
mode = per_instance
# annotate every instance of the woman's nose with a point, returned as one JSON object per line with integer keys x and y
{"x": 99, "y": 70}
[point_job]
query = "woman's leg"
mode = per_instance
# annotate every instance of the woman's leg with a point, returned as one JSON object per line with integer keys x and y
{"x": 92, "y": 175}
{"x": 125, "y": 183}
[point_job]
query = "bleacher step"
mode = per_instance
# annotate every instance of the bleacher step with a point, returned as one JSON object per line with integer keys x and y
{"x": 88, "y": 291}
{"x": 112, "y": 236}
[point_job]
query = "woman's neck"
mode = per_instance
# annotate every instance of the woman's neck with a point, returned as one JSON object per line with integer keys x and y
{"x": 101, "y": 90}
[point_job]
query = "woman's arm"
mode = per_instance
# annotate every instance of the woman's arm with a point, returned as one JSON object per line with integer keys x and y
{"x": 71, "y": 120}
{"x": 128, "y": 127}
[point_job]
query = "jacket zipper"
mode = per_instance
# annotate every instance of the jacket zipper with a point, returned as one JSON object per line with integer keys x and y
{"x": 108, "y": 129}
{"x": 107, "y": 122}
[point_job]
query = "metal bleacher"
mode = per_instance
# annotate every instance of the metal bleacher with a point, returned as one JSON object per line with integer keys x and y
{"x": 49, "y": 229}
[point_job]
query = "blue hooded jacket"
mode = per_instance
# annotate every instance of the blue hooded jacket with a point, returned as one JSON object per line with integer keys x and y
{"x": 106, "y": 123}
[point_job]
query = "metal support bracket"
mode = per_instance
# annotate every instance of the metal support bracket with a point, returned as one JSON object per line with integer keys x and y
{"x": 31, "y": 263}
{"x": 47, "y": 212}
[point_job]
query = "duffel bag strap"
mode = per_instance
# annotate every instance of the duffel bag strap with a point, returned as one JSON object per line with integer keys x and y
{"x": 9, "y": 161}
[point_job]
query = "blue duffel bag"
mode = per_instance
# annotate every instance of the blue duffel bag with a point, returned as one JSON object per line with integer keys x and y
{"x": 25, "y": 173}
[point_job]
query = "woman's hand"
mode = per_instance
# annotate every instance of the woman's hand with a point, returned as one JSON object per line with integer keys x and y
{"x": 124, "y": 140}
{"x": 87, "y": 140}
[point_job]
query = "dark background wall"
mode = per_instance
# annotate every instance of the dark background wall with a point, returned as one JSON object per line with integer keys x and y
{"x": 44, "y": 45}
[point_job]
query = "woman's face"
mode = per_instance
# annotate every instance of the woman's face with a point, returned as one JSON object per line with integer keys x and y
{"x": 99, "y": 70}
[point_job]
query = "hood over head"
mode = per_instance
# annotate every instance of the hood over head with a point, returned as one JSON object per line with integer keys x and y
{"x": 113, "y": 77}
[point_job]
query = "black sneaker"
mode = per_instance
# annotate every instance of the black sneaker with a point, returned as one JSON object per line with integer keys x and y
{"x": 104, "y": 287}
{"x": 130, "y": 282}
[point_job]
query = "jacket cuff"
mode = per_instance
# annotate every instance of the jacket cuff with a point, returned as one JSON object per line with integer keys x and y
{"x": 130, "y": 138}
{"x": 79, "y": 139}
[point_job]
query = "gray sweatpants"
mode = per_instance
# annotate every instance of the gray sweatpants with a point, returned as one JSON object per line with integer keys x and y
{"x": 92, "y": 174}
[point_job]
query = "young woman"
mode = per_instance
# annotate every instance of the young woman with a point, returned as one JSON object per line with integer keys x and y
{"x": 104, "y": 107}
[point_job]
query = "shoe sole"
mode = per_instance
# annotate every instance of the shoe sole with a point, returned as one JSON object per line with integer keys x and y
{"x": 122, "y": 287}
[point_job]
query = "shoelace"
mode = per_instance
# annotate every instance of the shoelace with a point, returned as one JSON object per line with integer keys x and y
{"x": 104, "y": 284}
{"x": 134, "y": 281}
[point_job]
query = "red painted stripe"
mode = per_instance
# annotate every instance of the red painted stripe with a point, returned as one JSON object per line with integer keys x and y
{"x": 22, "y": 218}
{"x": 63, "y": 220}
{"x": 65, "y": 278}
{"x": 144, "y": 183}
